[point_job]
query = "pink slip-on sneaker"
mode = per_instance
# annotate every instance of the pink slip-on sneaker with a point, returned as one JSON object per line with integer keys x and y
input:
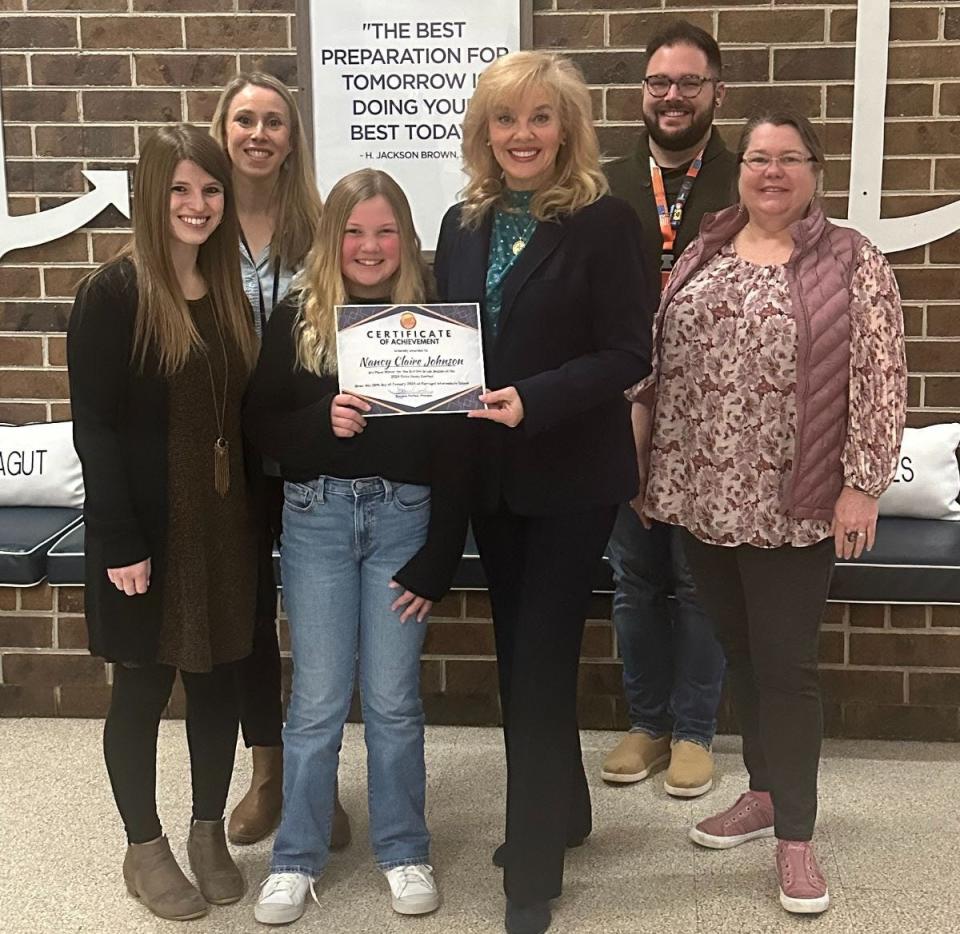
{"x": 750, "y": 818}
{"x": 803, "y": 889}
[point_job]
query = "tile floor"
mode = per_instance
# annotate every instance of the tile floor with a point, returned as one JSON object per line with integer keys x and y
{"x": 888, "y": 841}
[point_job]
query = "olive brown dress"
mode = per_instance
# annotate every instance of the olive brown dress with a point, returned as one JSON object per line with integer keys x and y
{"x": 209, "y": 590}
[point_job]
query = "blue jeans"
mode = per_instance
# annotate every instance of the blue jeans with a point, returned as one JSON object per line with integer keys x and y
{"x": 672, "y": 662}
{"x": 343, "y": 540}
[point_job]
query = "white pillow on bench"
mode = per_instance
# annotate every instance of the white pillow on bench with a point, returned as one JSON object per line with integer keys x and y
{"x": 39, "y": 466}
{"x": 927, "y": 482}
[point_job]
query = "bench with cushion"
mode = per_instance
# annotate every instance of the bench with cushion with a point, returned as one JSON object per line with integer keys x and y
{"x": 26, "y": 535}
{"x": 914, "y": 561}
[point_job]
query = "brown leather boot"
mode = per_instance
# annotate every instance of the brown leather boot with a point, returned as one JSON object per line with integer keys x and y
{"x": 340, "y": 827}
{"x": 213, "y": 867}
{"x": 152, "y": 875}
{"x": 258, "y": 812}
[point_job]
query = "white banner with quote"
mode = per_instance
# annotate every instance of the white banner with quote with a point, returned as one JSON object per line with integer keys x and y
{"x": 390, "y": 85}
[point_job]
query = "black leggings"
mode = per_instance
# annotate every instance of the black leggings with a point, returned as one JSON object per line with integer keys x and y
{"x": 767, "y": 604}
{"x": 130, "y": 741}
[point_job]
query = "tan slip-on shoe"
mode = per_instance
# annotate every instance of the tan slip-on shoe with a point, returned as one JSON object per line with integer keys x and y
{"x": 691, "y": 770}
{"x": 213, "y": 867}
{"x": 151, "y": 874}
{"x": 635, "y": 757}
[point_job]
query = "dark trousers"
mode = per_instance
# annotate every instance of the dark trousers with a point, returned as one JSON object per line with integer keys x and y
{"x": 767, "y": 604}
{"x": 130, "y": 741}
{"x": 672, "y": 662}
{"x": 539, "y": 572}
{"x": 258, "y": 675}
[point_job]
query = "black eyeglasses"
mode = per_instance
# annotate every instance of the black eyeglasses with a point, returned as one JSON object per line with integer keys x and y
{"x": 687, "y": 85}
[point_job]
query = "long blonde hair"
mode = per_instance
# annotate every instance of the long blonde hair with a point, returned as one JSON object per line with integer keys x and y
{"x": 164, "y": 328}
{"x": 323, "y": 285}
{"x": 297, "y": 198}
{"x": 578, "y": 180}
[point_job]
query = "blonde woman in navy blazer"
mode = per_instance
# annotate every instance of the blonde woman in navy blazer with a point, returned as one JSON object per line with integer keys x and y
{"x": 555, "y": 264}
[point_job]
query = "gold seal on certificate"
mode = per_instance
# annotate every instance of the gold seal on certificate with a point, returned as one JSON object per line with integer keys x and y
{"x": 411, "y": 359}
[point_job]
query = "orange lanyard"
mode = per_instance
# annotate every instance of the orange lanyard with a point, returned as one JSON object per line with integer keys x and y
{"x": 671, "y": 217}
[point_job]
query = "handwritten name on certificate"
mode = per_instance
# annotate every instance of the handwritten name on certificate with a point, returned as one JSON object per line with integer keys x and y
{"x": 407, "y": 359}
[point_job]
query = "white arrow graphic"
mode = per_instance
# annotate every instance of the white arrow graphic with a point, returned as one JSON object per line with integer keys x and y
{"x": 30, "y": 229}
{"x": 890, "y": 234}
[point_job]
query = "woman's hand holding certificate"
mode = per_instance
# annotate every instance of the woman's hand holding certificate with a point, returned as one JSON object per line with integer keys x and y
{"x": 503, "y": 405}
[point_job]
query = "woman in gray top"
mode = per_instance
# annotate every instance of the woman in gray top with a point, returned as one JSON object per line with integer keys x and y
{"x": 257, "y": 124}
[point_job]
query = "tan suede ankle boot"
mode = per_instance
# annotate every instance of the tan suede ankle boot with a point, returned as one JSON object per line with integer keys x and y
{"x": 152, "y": 875}
{"x": 258, "y": 811}
{"x": 213, "y": 867}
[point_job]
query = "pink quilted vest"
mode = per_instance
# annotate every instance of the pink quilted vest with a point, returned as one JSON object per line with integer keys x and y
{"x": 819, "y": 271}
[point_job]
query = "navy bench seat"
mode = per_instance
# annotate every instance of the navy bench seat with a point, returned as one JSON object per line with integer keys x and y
{"x": 915, "y": 561}
{"x": 26, "y": 535}
{"x": 65, "y": 559}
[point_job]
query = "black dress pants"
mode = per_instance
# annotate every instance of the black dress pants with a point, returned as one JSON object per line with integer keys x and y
{"x": 258, "y": 675}
{"x": 767, "y": 604}
{"x": 540, "y": 571}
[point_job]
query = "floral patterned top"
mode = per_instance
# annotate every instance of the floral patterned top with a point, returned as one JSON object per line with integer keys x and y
{"x": 725, "y": 417}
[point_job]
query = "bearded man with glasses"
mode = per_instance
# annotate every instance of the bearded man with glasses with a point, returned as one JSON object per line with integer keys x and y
{"x": 672, "y": 663}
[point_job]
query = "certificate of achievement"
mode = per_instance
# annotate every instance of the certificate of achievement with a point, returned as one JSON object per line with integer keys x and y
{"x": 406, "y": 359}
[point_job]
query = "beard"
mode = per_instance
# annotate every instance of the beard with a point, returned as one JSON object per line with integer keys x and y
{"x": 678, "y": 140}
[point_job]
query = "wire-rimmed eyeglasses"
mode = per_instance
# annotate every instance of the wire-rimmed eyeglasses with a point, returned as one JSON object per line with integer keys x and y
{"x": 761, "y": 161}
{"x": 687, "y": 85}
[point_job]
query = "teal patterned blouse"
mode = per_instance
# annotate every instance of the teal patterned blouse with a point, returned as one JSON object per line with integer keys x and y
{"x": 513, "y": 226}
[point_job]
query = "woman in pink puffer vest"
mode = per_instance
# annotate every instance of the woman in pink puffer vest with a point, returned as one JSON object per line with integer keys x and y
{"x": 768, "y": 429}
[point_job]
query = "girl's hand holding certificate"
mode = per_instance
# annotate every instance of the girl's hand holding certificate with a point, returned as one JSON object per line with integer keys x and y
{"x": 346, "y": 415}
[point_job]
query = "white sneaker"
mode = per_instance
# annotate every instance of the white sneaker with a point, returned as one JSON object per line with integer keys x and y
{"x": 282, "y": 897}
{"x": 413, "y": 888}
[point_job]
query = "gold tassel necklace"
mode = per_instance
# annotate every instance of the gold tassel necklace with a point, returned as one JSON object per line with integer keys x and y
{"x": 221, "y": 447}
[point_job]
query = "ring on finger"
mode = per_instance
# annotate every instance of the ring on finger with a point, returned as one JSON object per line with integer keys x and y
{"x": 853, "y": 535}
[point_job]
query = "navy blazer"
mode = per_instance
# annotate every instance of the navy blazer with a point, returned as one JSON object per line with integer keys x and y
{"x": 574, "y": 333}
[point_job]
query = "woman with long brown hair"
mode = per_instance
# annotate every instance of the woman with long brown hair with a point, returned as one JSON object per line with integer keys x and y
{"x": 278, "y": 206}
{"x": 160, "y": 348}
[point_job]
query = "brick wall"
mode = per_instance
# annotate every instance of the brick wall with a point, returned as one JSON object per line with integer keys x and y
{"x": 78, "y": 95}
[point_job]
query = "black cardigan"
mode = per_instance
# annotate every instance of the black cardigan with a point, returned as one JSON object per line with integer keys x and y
{"x": 120, "y": 433}
{"x": 574, "y": 333}
{"x": 287, "y": 416}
